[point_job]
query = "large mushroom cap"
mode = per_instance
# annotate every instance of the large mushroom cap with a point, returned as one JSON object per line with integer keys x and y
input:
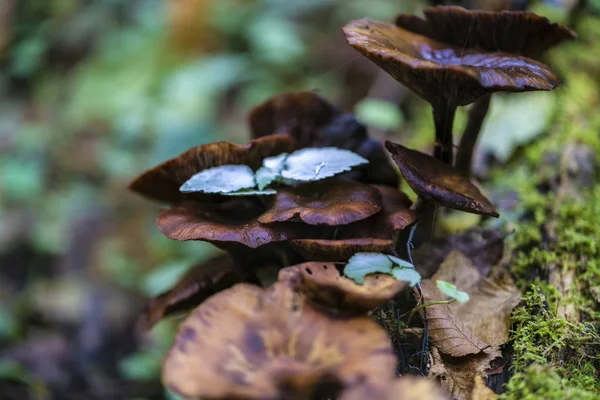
{"x": 233, "y": 221}
{"x": 325, "y": 284}
{"x": 517, "y": 32}
{"x": 162, "y": 182}
{"x": 250, "y": 343}
{"x": 330, "y": 202}
{"x": 438, "y": 71}
{"x": 339, "y": 250}
{"x": 439, "y": 182}
{"x": 198, "y": 284}
{"x": 314, "y": 122}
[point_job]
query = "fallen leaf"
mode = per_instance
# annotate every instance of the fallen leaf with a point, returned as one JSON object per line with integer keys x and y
{"x": 457, "y": 375}
{"x": 481, "y": 391}
{"x": 446, "y": 331}
{"x": 415, "y": 388}
{"x": 458, "y": 270}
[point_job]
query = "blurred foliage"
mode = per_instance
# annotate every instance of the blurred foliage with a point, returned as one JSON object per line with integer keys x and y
{"x": 92, "y": 92}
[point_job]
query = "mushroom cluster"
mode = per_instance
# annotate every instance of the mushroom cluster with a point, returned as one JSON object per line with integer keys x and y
{"x": 308, "y": 335}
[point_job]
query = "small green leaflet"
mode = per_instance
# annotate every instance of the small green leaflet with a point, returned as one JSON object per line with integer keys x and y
{"x": 312, "y": 164}
{"x": 251, "y": 192}
{"x": 223, "y": 179}
{"x": 362, "y": 264}
{"x": 450, "y": 290}
{"x": 270, "y": 171}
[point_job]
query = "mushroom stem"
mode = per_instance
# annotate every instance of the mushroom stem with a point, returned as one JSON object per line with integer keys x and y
{"x": 464, "y": 155}
{"x": 443, "y": 117}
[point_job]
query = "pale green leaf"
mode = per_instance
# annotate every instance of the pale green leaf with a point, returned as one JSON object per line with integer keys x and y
{"x": 251, "y": 192}
{"x": 400, "y": 262}
{"x": 406, "y": 274}
{"x": 312, "y": 164}
{"x": 223, "y": 179}
{"x": 362, "y": 264}
{"x": 270, "y": 171}
{"x": 450, "y": 290}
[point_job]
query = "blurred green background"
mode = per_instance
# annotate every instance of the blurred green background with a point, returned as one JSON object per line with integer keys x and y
{"x": 92, "y": 92}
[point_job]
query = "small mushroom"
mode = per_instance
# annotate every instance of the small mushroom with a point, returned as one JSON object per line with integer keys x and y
{"x": 234, "y": 221}
{"x": 339, "y": 250}
{"x": 198, "y": 284}
{"x": 162, "y": 182}
{"x": 521, "y": 33}
{"x": 443, "y": 74}
{"x": 436, "y": 181}
{"x": 330, "y": 202}
{"x": 249, "y": 343}
{"x": 314, "y": 122}
{"x": 325, "y": 284}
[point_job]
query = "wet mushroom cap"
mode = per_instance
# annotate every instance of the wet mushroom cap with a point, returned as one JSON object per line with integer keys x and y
{"x": 339, "y": 250}
{"x": 518, "y": 32}
{"x": 221, "y": 224}
{"x": 195, "y": 286}
{"x": 324, "y": 284}
{"x": 439, "y": 182}
{"x": 162, "y": 182}
{"x": 332, "y": 202}
{"x": 251, "y": 343}
{"x": 435, "y": 70}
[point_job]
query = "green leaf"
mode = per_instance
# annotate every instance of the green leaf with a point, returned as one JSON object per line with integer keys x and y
{"x": 406, "y": 274}
{"x": 362, "y": 264}
{"x": 223, "y": 179}
{"x": 312, "y": 164}
{"x": 401, "y": 263}
{"x": 450, "y": 290}
{"x": 251, "y": 192}
{"x": 379, "y": 114}
{"x": 270, "y": 171}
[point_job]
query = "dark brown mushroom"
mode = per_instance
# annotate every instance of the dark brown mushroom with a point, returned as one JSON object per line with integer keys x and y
{"x": 438, "y": 182}
{"x": 339, "y": 250}
{"x": 162, "y": 182}
{"x": 234, "y": 221}
{"x": 198, "y": 284}
{"x": 250, "y": 343}
{"x": 518, "y": 32}
{"x": 314, "y": 122}
{"x": 325, "y": 284}
{"x": 445, "y": 75}
{"x": 332, "y": 202}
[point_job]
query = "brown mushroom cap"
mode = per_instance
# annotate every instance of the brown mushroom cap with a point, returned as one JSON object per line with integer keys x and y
{"x": 250, "y": 343}
{"x": 198, "y": 284}
{"x": 162, "y": 182}
{"x": 233, "y": 221}
{"x": 516, "y": 32}
{"x": 439, "y": 182}
{"x": 324, "y": 284}
{"x": 314, "y": 122}
{"x": 439, "y": 72}
{"x": 330, "y": 202}
{"x": 339, "y": 250}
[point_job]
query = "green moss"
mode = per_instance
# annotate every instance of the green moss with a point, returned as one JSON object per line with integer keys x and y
{"x": 539, "y": 382}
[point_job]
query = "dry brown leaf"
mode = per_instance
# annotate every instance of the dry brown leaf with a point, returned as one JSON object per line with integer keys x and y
{"x": 487, "y": 313}
{"x": 457, "y": 375}
{"x": 416, "y": 388}
{"x": 481, "y": 391}
{"x": 445, "y": 330}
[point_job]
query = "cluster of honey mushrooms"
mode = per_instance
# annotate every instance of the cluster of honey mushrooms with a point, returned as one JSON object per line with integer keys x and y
{"x": 315, "y": 232}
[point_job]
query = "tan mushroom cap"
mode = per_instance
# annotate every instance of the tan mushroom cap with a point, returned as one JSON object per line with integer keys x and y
{"x": 195, "y": 286}
{"x": 162, "y": 182}
{"x": 324, "y": 284}
{"x": 436, "y": 181}
{"x": 223, "y": 223}
{"x": 332, "y": 202}
{"x": 518, "y": 32}
{"x": 251, "y": 343}
{"x": 435, "y": 70}
{"x": 339, "y": 250}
